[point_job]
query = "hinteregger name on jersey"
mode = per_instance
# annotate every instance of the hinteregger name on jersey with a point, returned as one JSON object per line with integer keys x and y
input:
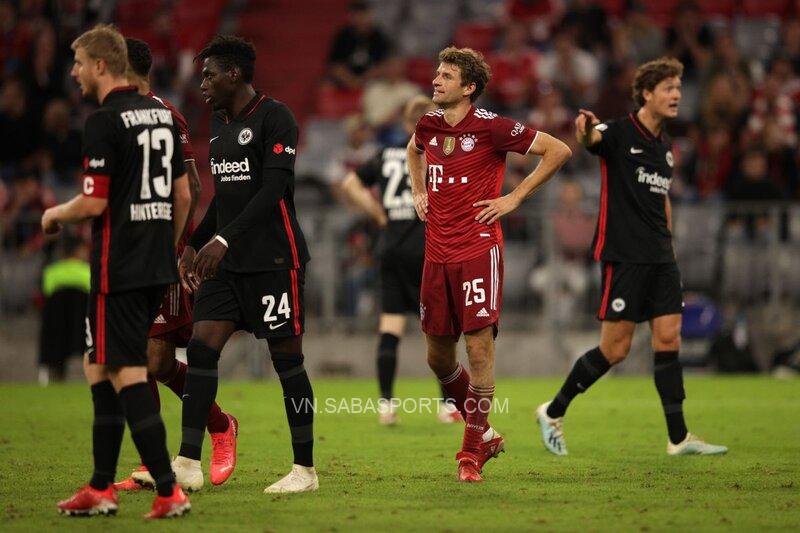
{"x": 147, "y": 117}
{"x": 151, "y": 211}
{"x": 658, "y": 183}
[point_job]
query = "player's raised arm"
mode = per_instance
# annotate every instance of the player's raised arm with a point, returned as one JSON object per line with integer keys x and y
{"x": 554, "y": 154}
{"x": 416, "y": 169}
{"x": 360, "y": 196}
{"x": 585, "y": 130}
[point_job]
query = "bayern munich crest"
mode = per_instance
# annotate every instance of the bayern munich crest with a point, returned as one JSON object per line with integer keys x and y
{"x": 467, "y": 142}
{"x": 245, "y": 136}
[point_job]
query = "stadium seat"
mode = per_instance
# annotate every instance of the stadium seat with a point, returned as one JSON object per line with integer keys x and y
{"x": 420, "y": 70}
{"x": 760, "y": 8}
{"x": 614, "y": 8}
{"x": 336, "y": 102}
{"x": 717, "y": 8}
{"x": 476, "y": 35}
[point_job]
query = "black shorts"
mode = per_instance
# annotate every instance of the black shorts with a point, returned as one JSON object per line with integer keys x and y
{"x": 639, "y": 292}
{"x": 117, "y": 325}
{"x": 401, "y": 276}
{"x": 267, "y": 304}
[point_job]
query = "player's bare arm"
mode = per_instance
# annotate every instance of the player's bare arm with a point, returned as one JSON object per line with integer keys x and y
{"x": 416, "y": 169}
{"x": 194, "y": 190}
{"x": 361, "y": 197}
{"x": 76, "y": 210}
{"x": 668, "y": 211}
{"x": 585, "y": 130}
{"x": 554, "y": 154}
{"x": 182, "y": 204}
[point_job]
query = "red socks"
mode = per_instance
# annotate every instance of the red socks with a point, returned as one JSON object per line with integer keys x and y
{"x": 455, "y": 385}
{"x": 478, "y": 406}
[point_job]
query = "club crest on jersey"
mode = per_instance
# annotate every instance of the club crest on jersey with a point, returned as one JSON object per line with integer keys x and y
{"x": 245, "y": 136}
{"x": 670, "y": 161}
{"x": 449, "y": 145}
{"x": 618, "y": 305}
{"x": 468, "y": 142}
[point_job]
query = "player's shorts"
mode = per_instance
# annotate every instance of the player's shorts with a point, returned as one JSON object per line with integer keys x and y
{"x": 267, "y": 304}
{"x": 640, "y": 292}
{"x": 462, "y": 297}
{"x": 174, "y": 320}
{"x": 401, "y": 276}
{"x": 117, "y": 325}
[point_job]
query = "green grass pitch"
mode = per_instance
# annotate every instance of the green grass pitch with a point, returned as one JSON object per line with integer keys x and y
{"x": 617, "y": 476}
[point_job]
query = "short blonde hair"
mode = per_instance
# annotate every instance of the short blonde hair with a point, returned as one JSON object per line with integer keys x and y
{"x": 416, "y": 107}
{"x": 105, "y": 42}
{"x": 652, "y": 73}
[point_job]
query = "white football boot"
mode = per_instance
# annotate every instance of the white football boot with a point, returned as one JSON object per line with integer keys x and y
{"x": 693, "y": 445}
{"x": 387, "y": 412}
{"x": 552, "y": 431}
{"x": 188, "y": 473}
{"x": 300, "y": 479}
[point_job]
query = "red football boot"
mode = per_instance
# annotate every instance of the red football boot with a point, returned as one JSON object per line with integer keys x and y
{"x": 491, "y": 448}
{"x": 468, "y": 467}
{"x": 170, "y": 506}
{"x": 133, "y": 482}
{"x": 89, "y": 502}
{"x": 223, "y": 452}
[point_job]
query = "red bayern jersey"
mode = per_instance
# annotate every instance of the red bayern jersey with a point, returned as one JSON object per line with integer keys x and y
{"x": 188, "y": 155}
{"x": 466, "y": 163}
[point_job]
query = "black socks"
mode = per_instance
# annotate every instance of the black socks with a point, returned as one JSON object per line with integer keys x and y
{"x": 589, "y": 368}
{"x": 107, "y": 431}
{"x": 149, "y": 434}
{"x": 669, "y": 383}
{"x": 298, "y": 399}
{"x": 199, "y": 393}
{"x": 387, "y": 364}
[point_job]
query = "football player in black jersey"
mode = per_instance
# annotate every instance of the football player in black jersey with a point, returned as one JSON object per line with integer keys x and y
{"x": 641, "y": 281}
{"x": 246, "y": 260}
{"x": 402, "y": 253}
{"x": 136, "y": 192}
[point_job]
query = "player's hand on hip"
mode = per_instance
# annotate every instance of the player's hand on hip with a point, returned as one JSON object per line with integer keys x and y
{"x": 49, "y": 223}
{"x": 494, "y": 209}
{"x": 421, "y": 205}
{"x": 208, "y": 259}
{"x": 584, "y": 120}
{"x": 189, "y": 281}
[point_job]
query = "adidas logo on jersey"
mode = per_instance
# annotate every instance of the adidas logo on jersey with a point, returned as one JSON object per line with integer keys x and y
{"x": 482, "y": 113}
{"x": 482, "y": 313}
{"x": 160, "y": 319}
{"x": 434, "y": 142}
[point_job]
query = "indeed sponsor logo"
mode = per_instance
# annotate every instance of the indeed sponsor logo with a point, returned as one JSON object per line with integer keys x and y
{"x": 226, "y": 167}
{"x": 658, "y": 183}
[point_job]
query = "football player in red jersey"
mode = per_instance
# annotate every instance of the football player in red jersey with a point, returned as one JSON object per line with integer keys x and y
{"x": 465, "y": 149}
{"x": 173, "y": 325}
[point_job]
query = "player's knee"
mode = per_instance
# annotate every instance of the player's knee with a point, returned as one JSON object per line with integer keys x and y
{"x": 616, "y": 351}
{"x": 441, "y": 364}
{"x": 199, "y": 355}
{"x": 667, "y": 340}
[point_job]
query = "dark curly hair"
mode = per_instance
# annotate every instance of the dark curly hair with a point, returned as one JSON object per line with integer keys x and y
{"x": 231, "y": 52}
{"x": 472, "y": 65}
{"x": 651, "y": 74}
{"x": 139, "y": 57}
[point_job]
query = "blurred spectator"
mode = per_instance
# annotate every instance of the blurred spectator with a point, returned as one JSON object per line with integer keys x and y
{"x": 44, "y": 71}
{"x": 514, "y": 65}
{"x": 590, "y": 23}
{"x": 636, "y": 38}
{"x": 615, "y": 98}
{"x": 358, "y": 49}
{"x": 772, "y": 106}
{"x": 689, "y": 39}
{"x": 385, "y": 97}
{"x": 60, "y": 149}
{"x": 573, "y": 227}
{"x": 782, "y": 69}
{"x": 789, "y": 44}
{"x": 551, "y": 115}
{"x": 724, "y": 102}
{"x": 708, "y": 167}
{"x": 18, "y": 127}
{"x": 726, "y": 58}
{"x": 165, "y": 48}
{"x": 65, "y": 285}
{"x": 751, "y": 183}
{"x": 574, "y": 71}
{"x": 541, "y": 16}
{"x": 21, "y": 216}
{"x": 360, "y": 147}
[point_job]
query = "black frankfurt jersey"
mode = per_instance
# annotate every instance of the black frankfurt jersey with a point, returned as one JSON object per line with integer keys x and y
{"x": 131, "y": 155}
{"x": 405, "y": 232}
{"x": 243, "y": 150}
{"x": 636, "y": 170}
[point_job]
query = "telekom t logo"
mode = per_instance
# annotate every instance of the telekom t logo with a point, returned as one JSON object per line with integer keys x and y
{"x": 436, "y": 176}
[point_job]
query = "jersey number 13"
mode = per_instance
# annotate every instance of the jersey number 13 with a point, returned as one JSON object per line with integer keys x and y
{"x": 153, "y": 140}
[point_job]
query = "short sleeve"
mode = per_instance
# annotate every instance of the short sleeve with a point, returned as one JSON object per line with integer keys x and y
{"x": 370, "y": 172}
{"x": 99, "y": 154}
{"x": 178, "y": 156}
{"x": 419, "y": 134}
{"x": 610, "y": 132}
{"x": 183, "y": 133}
{"x": 511, "y": 136}
{"x": 280, "y": 139}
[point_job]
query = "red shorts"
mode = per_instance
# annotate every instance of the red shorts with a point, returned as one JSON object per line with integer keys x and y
{"x": 462, "y": 297}
{"x": 174, "y": 321}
